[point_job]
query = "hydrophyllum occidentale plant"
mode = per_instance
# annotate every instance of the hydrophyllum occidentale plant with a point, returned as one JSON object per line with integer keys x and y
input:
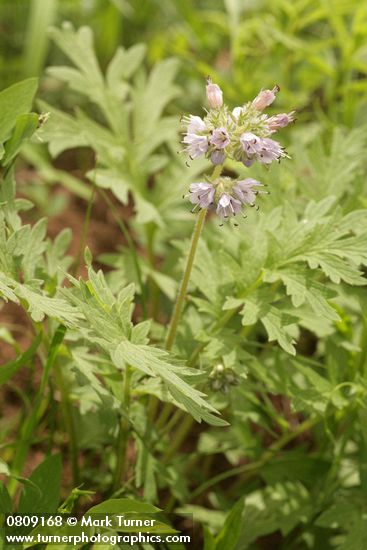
{"x": 242, "y": 134}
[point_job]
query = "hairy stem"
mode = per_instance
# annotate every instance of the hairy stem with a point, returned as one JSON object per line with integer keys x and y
{"x": 176, "y": 315}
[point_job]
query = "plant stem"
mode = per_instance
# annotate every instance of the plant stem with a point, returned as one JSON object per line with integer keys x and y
{"x": 30, "y": 423}
{"x": 179, "y": 437}
{"x": 176, "y": 315}
{"x": 123, "y": 435}
{"x": 69, "y": 423}
{"x": 153, "y": 290}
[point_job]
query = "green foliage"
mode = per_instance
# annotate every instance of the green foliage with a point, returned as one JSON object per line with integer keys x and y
{"x": 38, "y": 496}
{"x": 130, "y": 103}
{"x": 15, "y": 102}
{"x": 270, "y": 355}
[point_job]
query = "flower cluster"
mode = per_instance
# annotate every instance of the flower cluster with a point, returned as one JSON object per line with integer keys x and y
{"x": 242, "y": 134}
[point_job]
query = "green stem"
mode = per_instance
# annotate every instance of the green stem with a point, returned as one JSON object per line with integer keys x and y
{"x": 179, "y": 437}
{"x": 153, "y": 289}
{"x": 123, "y": 435}
{"x": 131, "y": 247}
{"x": 30, "y": 423}
{"x": 176, "y": 315}
{"x": 69, "y": 423}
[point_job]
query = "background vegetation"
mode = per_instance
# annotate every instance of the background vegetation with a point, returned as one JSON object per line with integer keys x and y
{"x": 279, "y": 301}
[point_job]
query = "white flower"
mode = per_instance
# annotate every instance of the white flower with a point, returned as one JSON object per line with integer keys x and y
{"x": 244, "y": 190}
{"x": 195, "y": 124}
{"x": 250, "y": 143}
{"x": 220, "y": 138}
{"x": 270, "y": 150}
{"x": 195, "y": 145}
{"x": 227, "y": 206}
{"x": 202, "y": 194}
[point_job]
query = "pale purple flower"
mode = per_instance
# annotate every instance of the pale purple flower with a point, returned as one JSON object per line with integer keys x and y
{"x": 228, "y": 206}
{"x": 251, "y": 144}
{"x": 195, "y": 145}
{"x": 279, "y": 121}
{"x": 265, "y": 98}
{"x": 270, "y": 150}
{"x": 214, "y": 95}
{"x": 201, "y": 194}
{"x": 245, "y": 192}
{"x": 217, "y": 157}
{"x": 195, "y": 124}
{"x": 220, "y": 138}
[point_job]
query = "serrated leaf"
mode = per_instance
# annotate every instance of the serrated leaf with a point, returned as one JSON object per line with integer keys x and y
{"x": 156, "y": 362}
{"x": 124, "y": 63}
{"x": 302, "y": 288}
{"x": 276, "y": 324}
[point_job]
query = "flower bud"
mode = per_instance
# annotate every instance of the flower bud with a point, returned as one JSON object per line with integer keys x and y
{"x": 217, "y": 157}
{"x": 280, "y": 121}
{"x": 265, "y": 98}
{"x": 214, "y": 95}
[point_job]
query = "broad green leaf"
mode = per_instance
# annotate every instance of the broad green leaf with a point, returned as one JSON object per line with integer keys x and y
{"x": 229, "y": 535}
{"x": 123, "y": 506}
{"x": 6, "y": 506}
{"x": 25, "y": 127}
{"x": 282, "y": 507}
{"x": 14, "y": 101}
{"x": 9, "y": 369}
{"x": 42, "y": 497}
